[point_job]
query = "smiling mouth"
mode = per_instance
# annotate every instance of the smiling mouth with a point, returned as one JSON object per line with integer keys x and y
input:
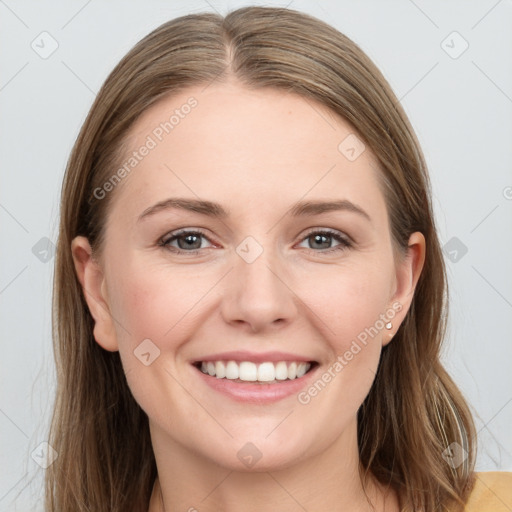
{"x": 264, "y": 373}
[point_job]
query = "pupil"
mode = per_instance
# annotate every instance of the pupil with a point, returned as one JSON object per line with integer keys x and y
{"x": 190, "y": 241}
{"x": 319, "y": 237}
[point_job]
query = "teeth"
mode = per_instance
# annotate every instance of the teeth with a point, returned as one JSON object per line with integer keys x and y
{"x": 220, "y": 370}
{"x": 281, "y": 371}
{"x": 232, "y": 371}
{"x": 301, "y": 370}
{"x": 251, "y": 372}
{"x": 266, "y": 372}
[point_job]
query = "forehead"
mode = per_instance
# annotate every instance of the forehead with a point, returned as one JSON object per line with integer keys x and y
{"x": 245, "y": 148}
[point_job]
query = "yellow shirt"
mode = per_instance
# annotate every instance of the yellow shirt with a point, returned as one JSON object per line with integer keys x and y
{"x": 492, "y": 492}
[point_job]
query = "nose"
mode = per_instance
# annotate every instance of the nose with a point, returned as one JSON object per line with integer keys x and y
{"x": 258, "y": 294}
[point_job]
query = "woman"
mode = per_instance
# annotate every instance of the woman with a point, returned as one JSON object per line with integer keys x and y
{"x": 250, "y": 296}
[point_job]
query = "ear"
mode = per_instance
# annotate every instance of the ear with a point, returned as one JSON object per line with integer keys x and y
{"x": 408, "y": 271}
{"x": 93, "y": 283}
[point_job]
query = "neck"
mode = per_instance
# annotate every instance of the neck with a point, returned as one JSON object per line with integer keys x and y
{"x": 326, "y": 481}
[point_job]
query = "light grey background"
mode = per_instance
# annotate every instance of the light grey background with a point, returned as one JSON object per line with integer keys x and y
{"x": 459, "y": 105}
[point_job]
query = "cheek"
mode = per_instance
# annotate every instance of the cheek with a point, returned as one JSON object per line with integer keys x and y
{"x": 154, "y": 317}
{"x": 350, "y": 303}
{"x": 150, "y": 302}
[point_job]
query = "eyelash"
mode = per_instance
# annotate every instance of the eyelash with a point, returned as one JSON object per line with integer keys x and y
{"x": 344, "y": 242}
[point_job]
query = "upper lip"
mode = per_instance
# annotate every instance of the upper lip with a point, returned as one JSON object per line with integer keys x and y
{"x": 255, "y": 357}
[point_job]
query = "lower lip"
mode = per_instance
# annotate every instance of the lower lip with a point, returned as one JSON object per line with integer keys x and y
{"x": 255, "y": 392}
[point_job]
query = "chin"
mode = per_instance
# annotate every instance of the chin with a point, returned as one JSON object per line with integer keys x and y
{"x": 256, "y": 453}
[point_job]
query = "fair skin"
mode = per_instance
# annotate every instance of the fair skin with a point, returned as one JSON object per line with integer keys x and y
{"x": 256, "y": 153}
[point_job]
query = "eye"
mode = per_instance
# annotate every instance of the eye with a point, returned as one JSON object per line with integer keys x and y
{"x": 321, "y": 239}
{"x": 188, "y": 241}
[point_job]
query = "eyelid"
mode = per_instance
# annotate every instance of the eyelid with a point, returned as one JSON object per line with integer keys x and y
{"x": 345, "y": 242}
{"x": 330, "y": 231}
{"x": 171, "y": 236}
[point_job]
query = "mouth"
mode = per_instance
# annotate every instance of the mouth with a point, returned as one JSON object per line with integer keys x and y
{"x": 259, "y": 378}
{"x": 266, "y": 372}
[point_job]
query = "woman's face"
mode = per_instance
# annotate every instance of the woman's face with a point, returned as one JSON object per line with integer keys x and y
{"x": 264, "y": 276}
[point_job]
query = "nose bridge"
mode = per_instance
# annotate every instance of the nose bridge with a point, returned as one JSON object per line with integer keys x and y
{"x": 257, "y": 266}
{"x": 258, "y": 294}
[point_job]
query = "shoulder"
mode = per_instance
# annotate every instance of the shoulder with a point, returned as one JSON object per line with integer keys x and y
{"x": 492, "y": 492}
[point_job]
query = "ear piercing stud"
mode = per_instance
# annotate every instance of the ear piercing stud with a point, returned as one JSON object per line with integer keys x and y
{"x": 389, "y": 325}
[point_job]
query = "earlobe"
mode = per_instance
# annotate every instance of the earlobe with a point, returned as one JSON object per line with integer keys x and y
{"x": 408, "y": 272}
{"x": 92, "y": 280}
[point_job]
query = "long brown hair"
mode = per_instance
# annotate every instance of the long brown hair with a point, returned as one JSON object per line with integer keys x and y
{"x": 413, "y": 412}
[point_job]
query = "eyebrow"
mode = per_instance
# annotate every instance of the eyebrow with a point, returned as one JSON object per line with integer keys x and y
{"x": 211, "y": 209}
